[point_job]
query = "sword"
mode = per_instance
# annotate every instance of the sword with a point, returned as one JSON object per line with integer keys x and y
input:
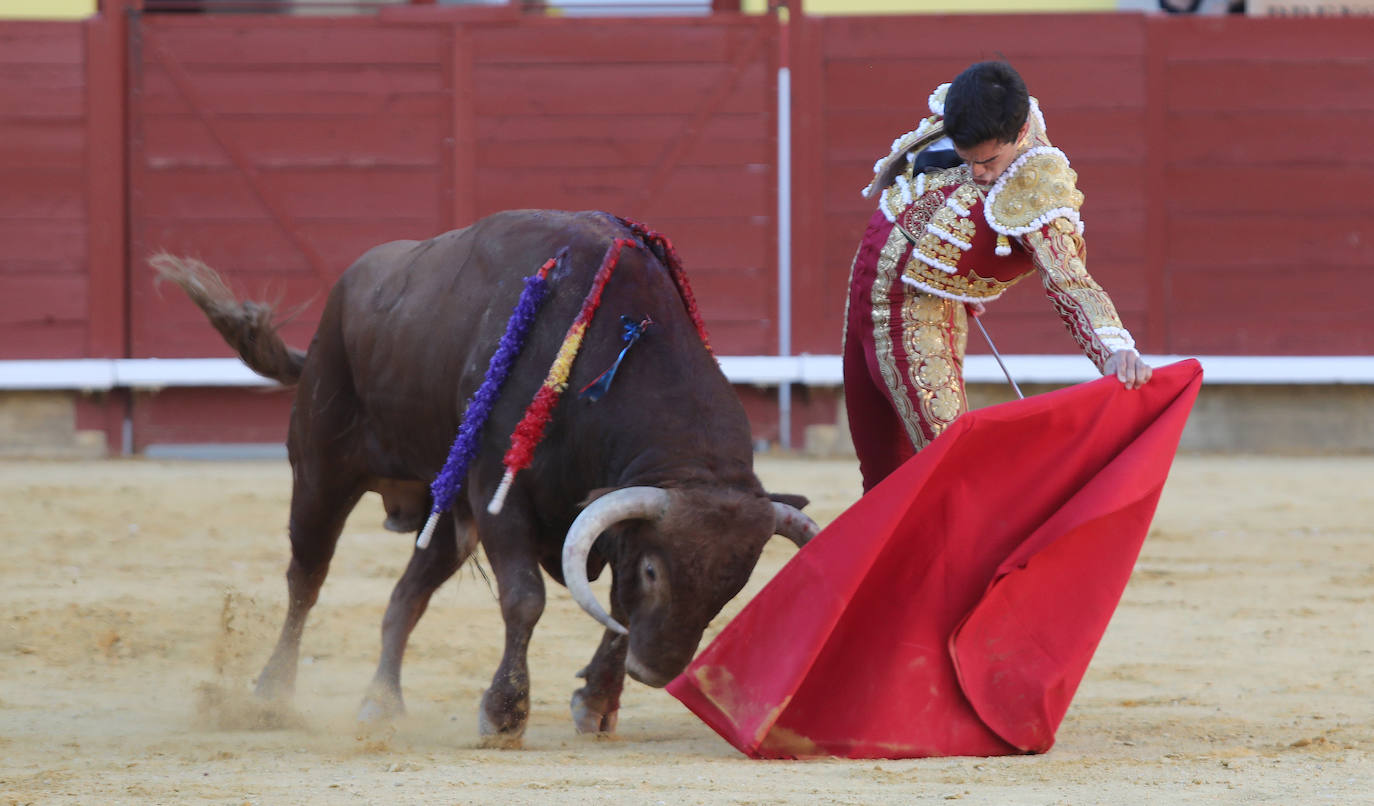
{"x": 995, "y": 354}
{"x": 998, "y": 356}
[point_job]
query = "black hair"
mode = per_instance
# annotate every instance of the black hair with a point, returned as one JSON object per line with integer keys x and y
{"x": 988, "y": 101}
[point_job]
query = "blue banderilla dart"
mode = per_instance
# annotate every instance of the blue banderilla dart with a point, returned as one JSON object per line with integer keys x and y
{"x": 633, "y": 330}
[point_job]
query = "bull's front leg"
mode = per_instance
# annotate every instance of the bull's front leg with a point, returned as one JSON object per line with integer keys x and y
{"x": 596, "y": 705}
{"x": 506, "y": 704}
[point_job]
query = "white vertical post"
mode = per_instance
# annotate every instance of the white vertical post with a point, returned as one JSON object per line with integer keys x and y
{"x": 784, "y": 250}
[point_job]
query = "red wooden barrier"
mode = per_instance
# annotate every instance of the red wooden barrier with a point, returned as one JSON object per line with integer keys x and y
{"x": 44, "y": 281}
{"x": 1268, "y": 220}
{"x": 280, "y": 149}
{"x": 871, "y": 79}
{"x": 1224, "y": 162}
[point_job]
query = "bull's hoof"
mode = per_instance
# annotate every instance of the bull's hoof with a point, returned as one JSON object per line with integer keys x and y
{"x": 273, "y": 689}
{"x": 502, "y": 741}
{"x": 502, "y": 727}
{"x": 381, "y": 706}
{"x": 492, "y": 737}
{"x": 588, "y": 719}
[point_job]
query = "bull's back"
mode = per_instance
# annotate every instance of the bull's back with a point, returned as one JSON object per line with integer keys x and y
{"x": 444, "y": 295}
{"x": 418, "y": 323}
{"x": 419, "y": 320}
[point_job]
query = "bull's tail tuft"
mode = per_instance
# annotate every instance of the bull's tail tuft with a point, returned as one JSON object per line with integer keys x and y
{"x": 248, "y": 327}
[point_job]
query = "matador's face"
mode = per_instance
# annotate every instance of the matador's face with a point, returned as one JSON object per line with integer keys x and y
{"x": 988, "y": 159}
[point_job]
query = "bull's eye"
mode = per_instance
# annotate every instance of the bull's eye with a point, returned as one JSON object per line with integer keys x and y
{"x": 650, "y": 574}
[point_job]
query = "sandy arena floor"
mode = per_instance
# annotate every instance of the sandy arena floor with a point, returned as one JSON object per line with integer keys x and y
{"x": 138, "y": 600}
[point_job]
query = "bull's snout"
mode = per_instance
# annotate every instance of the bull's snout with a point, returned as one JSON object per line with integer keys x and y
{"x": 642, "y": 673}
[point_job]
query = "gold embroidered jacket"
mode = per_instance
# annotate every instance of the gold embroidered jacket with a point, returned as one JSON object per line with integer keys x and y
{"x": 961, "y": 236}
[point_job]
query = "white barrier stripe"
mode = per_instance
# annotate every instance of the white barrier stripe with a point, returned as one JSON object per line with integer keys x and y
{"x": 101, "y": 374}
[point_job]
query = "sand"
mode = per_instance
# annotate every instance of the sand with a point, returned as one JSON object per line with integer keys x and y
{"x": 138, "y": 600}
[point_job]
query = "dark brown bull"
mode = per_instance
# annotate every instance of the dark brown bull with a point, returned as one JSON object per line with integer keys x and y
{"x": 663, "y": 464}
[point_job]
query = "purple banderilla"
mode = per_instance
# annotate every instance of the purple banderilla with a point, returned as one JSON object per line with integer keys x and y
{"x": 446, "y": 485}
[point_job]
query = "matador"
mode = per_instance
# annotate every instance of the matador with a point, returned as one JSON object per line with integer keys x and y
{"x": 964, "y": 213}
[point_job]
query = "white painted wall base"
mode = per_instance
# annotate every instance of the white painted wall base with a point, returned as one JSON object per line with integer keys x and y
{"x": 100, "y": 374}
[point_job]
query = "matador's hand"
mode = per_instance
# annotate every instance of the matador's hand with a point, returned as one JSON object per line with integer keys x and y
{"x": 1129, "y": 368}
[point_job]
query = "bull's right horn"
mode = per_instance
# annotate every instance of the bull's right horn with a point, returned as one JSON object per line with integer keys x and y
{"x": 619, "y": 505}
{"x": 793, "y": 524}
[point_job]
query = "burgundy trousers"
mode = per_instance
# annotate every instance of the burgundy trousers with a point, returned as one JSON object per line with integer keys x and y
{"x": 903, "y": 356}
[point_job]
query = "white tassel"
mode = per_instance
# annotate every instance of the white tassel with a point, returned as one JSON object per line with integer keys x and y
{"x": 499, "y": 499}
{"x": 422, "y": 542}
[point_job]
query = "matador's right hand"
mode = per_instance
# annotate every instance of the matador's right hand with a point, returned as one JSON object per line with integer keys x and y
{"x": 1129, "y": 368}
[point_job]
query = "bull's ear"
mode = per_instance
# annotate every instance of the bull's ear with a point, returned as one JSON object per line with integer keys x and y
{"x": 596, "y": 561}
{"x": 595, "y": 494}
{"x": 797, "y": 501}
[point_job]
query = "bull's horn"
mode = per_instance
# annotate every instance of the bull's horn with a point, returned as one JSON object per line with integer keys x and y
{"x": 793, "y": 524}
{"x": 613, "y": 507}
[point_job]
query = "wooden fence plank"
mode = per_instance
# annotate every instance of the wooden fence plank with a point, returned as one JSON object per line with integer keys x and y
{"x": 980, "y": 36}
{"x": 300, "y": 42}
{"x": 609, "y": 89}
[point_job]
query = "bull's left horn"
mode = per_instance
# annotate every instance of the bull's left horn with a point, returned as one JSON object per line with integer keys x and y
{"x": 613, "y": 507}
{"x": 793, "y": 524}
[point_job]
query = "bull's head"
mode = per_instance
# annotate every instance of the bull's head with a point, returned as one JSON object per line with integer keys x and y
{"x": 680, "y": 557}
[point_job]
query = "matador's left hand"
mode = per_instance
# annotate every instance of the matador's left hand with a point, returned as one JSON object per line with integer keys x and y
{"x": 1129, "y": 368}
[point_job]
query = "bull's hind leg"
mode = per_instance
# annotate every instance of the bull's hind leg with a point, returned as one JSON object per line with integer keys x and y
{"x": 320, "y": 503}
{"x": 520, "y": 585}
{"x": 428, "y": 569}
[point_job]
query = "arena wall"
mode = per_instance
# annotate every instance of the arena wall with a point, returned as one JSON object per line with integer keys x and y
{"x": 1223, "y": 162}
{"x": 44, "y": 131}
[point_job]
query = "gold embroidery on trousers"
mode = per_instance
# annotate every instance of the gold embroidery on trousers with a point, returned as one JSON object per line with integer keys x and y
{"x": 880, "y": 305}
{"x": 935, "y": 335}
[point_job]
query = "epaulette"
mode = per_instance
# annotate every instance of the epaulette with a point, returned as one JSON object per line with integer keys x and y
{"x": 1034, "y": 190}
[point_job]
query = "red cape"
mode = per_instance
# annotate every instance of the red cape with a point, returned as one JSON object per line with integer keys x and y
{"x": 954, "y": 608}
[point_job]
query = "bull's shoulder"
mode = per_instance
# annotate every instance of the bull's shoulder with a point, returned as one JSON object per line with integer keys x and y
{"x": 527, "y": 223}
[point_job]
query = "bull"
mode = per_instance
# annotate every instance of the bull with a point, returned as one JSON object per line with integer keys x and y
{"x": 654, "y": 480}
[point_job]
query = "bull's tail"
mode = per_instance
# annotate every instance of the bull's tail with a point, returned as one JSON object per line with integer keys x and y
{"x": 248, "y": 327}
